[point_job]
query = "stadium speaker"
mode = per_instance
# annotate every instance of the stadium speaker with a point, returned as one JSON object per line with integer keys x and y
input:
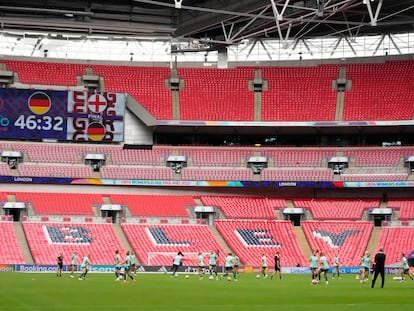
{"x": 175, "y": 84}
{"x": 341, "y": 84}
{"x": 6, "y": 78}
{"x": 257, "y": 85}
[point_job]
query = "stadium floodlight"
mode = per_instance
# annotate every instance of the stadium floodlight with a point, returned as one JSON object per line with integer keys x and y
{"x": 178, "y": 4}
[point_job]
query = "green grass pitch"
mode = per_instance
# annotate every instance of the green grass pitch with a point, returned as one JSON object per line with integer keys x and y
{"x": 27, "y": 291}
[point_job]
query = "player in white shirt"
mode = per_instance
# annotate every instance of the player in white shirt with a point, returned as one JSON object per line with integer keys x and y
{"x": 200, "y": 266}
{"x": 212, "y": 262}
{"x": 405, "y": 268}
{"x": 127, "y": 268}
{"x": 118, "y": 265}
{"x": 336, "y": 267}
{"x": 263, "y": 266}
{"x": 133, "y": 263}
{"x": 323, "y": 267}
{"x": 365, "y": 266}
{"x": 313, "y": 265}
{"x": 236, "y": 264}
{"x": 73, "y": 262}
{"x": 176, "y": 263}
{"x": 85, "y": 267}
{"x": 229, "y": 266}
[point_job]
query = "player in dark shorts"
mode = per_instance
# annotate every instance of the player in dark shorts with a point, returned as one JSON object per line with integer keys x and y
{"x": 176, "y": 263}
{"x": 213, "y": 263}
{"x": 59, "y": 265}
{"x": 118, "y": 266}
{"x": 236, "y": 260}
{"x": 278, "y": 269}
{"x": 127, "y": 268}
{"x": 229, "y": 266}
{"x": 324, "y": 267}
{"x": 379, "y": 269}
{"x": 133, "y": 263}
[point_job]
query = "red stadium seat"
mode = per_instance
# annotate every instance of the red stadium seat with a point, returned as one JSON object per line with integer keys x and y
{"x": 54, "y": 203}
{"x": 250, "y": 238}
{"x": 386, "y": 99}
{"x": 47, "y": 240}
{"x": 10, "y": 252}
{"x": 348, "y": 239}
{"x": 336, "y": 209}
{"x": 395, "y": 241}
{"x": 155, "y": 205}
{"x": 168, "y": 239}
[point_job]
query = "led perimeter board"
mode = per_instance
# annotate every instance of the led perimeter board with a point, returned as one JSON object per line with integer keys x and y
{"x": 62, "y": 115}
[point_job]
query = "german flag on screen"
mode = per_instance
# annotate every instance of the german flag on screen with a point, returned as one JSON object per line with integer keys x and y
{"x": 39, "y": 103}
{"x": 96, "y": 131}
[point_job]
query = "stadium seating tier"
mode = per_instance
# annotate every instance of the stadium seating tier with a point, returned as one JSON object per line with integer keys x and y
{"x": 250, "y": 238}
{"x": 405, "y": 208}
{"x": 51, "y": 203}
{"x": 347, "y": 239}
{"x": 245, "y": 207}
{"x": 396, "y": 241}
{"x": 46, "y": 240}
{"x": 386, "y": 99}
{"x": 293, "y": 94}
{"x": 10, "y": 252}
{"x": 336, "y": 209}
{"x": 155, "y": 205}
{"x": 164, "y": 241}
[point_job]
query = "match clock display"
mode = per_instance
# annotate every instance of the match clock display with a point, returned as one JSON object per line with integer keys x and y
{"x": 61, "y": 115}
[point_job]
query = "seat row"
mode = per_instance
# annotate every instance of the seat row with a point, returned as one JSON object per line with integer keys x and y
{"x": 292, "y": 94}
{"x": 55, "y": 203}
{"x": 230, "y": 207}
{"x": 277, "y": 157}
{"x": 249, "y": 239}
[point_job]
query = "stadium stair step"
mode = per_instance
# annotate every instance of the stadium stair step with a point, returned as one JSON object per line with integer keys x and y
{"x": 107, "y": 200}
{"x": 290, "y": 204}
{"x": 373, "y": 240}
{"x": 220, "y": 239}
{"x": 11, "y": 198}
{"x": 303, "y": 242}
{"x": 24, "y": 247}
{"x": 122, "y": 238}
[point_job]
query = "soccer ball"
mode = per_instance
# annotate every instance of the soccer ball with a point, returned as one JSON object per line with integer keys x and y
{"x": 187, "y": 276}
{"x": 257, "y": 276}
{"x": 211, "y": 277}
{"x": 314, "y": 281}
{"x": 228, "y": 278}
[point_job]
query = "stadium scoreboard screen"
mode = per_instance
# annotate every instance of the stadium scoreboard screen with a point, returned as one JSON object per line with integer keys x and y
{"x": 62, "y": 115}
